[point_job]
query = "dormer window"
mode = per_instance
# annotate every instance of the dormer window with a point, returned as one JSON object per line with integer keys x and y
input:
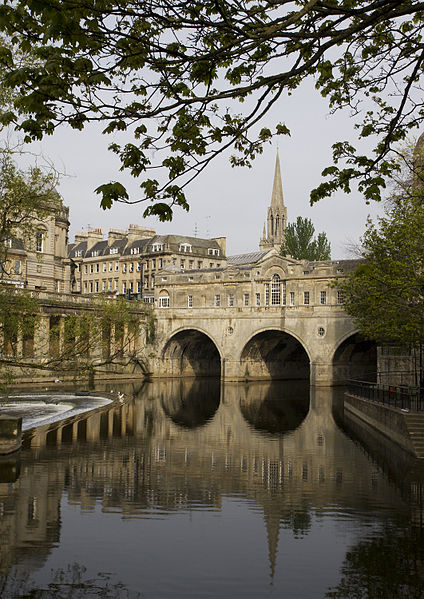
{"x": 213, "y": 252}
{"x": 95, "y": 253}
{"x": 157, "y": 247}
{"x": 113, "y": 250}
{"x": 185, "y": 247}
{"x": 135, "y": 250}
{"x": 78, "y": 254}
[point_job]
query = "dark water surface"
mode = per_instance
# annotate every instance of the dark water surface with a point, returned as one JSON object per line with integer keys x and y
{"x": 190, "y": 490}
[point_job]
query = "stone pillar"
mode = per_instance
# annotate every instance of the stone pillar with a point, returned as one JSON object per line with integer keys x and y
{"x": 126, "y": 341}
{"x": 61, "y": 334}
{"x": 93, "y": 427}
{"x": 10, "y": 434}
{"x": 321, "y": 374}
{"x": 19, "y": 343}
{"x": 41, "y": 337}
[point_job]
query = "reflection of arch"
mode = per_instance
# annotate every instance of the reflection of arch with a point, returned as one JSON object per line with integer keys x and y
{"x": 269, "y": 407}
{"x": 192, "y": 406}
{"x": 355, "y": 357}
{"x": 192, "y": 352}
{"x": 275, "y": 354}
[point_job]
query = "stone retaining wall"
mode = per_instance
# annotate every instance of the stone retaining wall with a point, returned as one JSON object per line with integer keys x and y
{"x": 392, "y": 422}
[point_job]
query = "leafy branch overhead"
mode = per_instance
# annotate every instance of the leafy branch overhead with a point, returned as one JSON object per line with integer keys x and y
{"x": 176, "y": 83}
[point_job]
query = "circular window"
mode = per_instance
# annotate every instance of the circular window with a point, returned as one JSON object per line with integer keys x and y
{"x": 321, "y": 332}
{"x": 230, "y": 330}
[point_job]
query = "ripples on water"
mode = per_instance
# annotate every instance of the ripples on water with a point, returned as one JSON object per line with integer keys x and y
{"x": 190, "y": 490}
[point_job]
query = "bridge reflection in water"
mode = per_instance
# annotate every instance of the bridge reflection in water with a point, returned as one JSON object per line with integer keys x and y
{"x": 187, "y": 446}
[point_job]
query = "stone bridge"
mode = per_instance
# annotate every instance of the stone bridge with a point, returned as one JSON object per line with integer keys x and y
{"x": 263, "y": 317}
{"x": 320, "y": 344}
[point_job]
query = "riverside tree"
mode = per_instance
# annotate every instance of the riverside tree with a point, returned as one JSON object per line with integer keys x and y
{"x": 300, "y": 243}
{"x": 385, "y": 295}
{"x": 176, "y": 83}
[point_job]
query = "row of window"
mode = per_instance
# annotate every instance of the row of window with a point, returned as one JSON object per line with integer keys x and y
{"x": 131, "y": 266}
{"x": 109, "y": 266}
{"x": 112, "y": 285}
{"x": 156, "y": 247}
{"x": 164, "y": 300}
{"x": 137, "y": 266}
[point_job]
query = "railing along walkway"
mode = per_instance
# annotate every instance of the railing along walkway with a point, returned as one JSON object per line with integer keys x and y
{"x": 405, "y": 397}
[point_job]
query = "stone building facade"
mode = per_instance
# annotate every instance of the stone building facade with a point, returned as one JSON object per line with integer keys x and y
{"x": 41, "y": 263}
{"x": 256, "y": 280}
{"x": 130, "y": 262}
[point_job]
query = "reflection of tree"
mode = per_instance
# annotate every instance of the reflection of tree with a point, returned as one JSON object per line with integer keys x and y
{"x": 388, "y": 566}
{"x": 66, "y": 583}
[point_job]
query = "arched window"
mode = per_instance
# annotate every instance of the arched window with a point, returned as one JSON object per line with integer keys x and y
{"x": 275, "y": 290}
{"x": 163, "y": 301}
{"x": 39, "y": 239}
{"x": 277, "y": 224}
{"x": 272, "y": 225}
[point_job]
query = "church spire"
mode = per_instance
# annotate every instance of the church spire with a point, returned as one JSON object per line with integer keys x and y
{"x": 277, "y": 213}
{"x": 277, "y": 201}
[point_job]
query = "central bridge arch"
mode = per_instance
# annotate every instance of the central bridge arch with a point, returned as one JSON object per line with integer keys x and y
{"x": 191, "y": 352}
{"x": 275, "y": 354}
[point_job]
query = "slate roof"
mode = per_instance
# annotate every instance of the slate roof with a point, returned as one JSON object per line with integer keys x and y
{"x": 98, "y": 247}
{"x": 137, "y": 243}
{"x": 118, "y": 243}
{"x": 78, "y": 247}
{"x": 250, "y": 258}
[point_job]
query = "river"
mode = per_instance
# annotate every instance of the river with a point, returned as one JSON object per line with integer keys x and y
{"x": 189, "y": 489}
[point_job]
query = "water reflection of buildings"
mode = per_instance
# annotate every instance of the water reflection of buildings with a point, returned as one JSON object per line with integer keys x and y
{"x": 181, "y": 445}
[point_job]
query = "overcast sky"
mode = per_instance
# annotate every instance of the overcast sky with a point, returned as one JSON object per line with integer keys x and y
{"x": 225, "y": 201}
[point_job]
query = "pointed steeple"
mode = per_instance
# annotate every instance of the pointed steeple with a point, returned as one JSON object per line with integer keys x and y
{"x": 277, "y": 213}
{"x": 277, "y": 201}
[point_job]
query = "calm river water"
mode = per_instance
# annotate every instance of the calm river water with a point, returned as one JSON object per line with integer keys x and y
{"x": 188, "y": 489}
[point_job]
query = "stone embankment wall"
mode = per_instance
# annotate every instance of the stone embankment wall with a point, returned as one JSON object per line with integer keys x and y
{"x": 406, "y": 429}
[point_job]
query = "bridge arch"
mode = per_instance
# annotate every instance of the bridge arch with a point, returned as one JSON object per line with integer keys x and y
{"x": 272, "y": 353}
{"x": 191, "y": 352}
{"x": 354, "y": 357}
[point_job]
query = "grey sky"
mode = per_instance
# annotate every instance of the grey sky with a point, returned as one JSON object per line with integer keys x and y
{"x": 225, "y": 201}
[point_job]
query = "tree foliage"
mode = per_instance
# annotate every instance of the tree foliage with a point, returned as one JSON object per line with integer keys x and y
{"x": 300, "y": 243}
{"x": 26, "y": 198}
{"x": 385, "y": 295}
{"x": 176, "y": 83}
